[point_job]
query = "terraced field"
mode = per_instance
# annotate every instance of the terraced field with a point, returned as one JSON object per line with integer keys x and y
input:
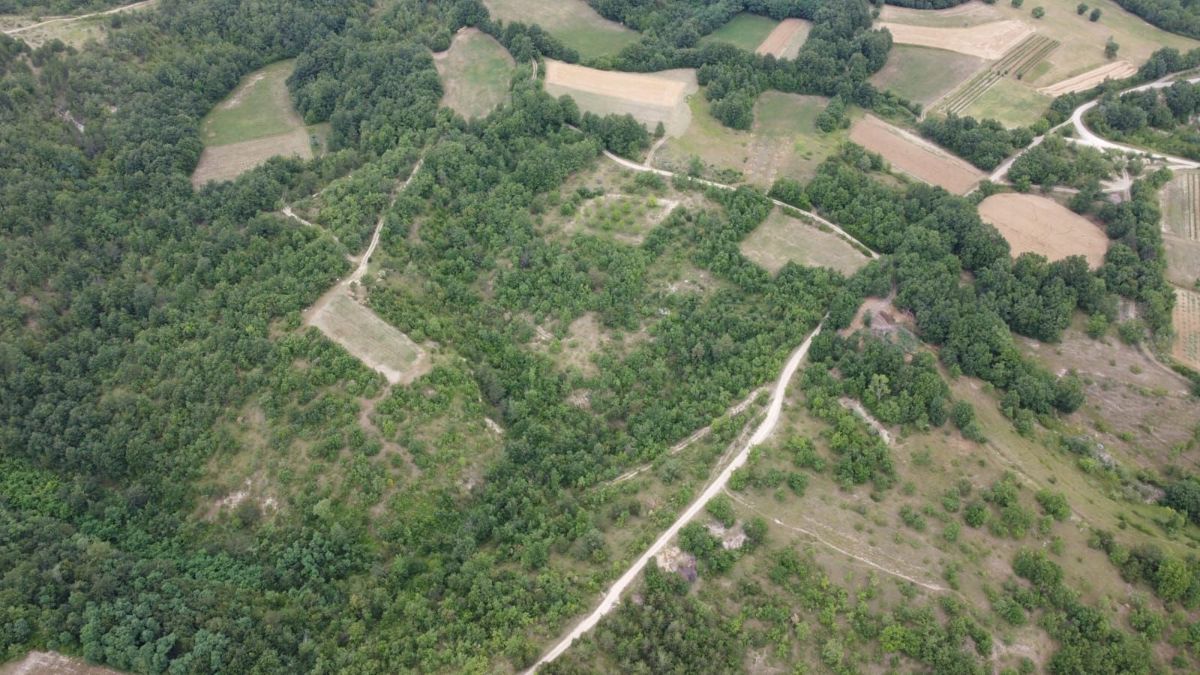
{"x": 1181, "y": 206}
{"x": 1017, "y": 63}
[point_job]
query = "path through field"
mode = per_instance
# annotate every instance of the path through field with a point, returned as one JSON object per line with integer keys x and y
{"x": 81, "y": 17}
{"x": 762, "y": 433}
{"x": 630, "y": 164}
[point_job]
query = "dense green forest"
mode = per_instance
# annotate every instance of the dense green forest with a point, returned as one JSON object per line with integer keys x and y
{"x": 141, "y": 320}
{"x": 1177, "y": 16}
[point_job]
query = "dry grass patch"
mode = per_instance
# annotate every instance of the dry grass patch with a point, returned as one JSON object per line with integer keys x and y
{"x": 924, "y": 75}
{"x": 52, "y": 663}
{"x": 986, "y": 41}
{"x": 782, "y": 239}
{"x": 650, "y": 97}
{"x": 475, "y": 73}
{"x": 1041, "y": 225}
{"x": 786, "y": 39}
{"x": 915, "y": 156}
{"x": 370, "y": 339}
{"x": 1187, "y": 328}
{"x": 226, "y": 162}
{"x": 583, "y": 340}
{"x": 1181, "y": 227}
{"x": 1117, "y": 70}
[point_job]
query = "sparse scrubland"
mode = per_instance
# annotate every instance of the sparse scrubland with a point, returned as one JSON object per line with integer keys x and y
{"x": 984, "y": 463}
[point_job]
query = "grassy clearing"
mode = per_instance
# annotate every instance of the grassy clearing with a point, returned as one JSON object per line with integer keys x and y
{"x": 1181, "y": 228}
{"x": 254, "y": 123}
{"x": 1032, "y": 223}
{"x": 784, "y": 141}
{"x": 475, "y": 74}
{"x": 783, "y": 239}
{"x": 922, "y": 74}
{"x": 1187, "y": 328}
{"x": 572, "y": 21}
{"x": 745, "y": 31}
{"x": 370, "y": 339}
{"x": 1010, "y": 102}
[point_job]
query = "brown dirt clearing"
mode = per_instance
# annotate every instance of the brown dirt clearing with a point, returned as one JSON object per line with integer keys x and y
{"x": 915, "y": 156}
{"x": 226, "y": 162}
{"x": 1117, "y": 70}
{"x": 987, "y": 41}
{"x": 1042, "y": 225}
{"x": 786, "y": 39}
{"x": 650, "y": 97}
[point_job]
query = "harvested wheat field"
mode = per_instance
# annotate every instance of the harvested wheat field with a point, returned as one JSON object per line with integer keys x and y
{"x": 1117, "y": 70}
{"x": 650, "y": 97}
{"x": 1040, "y": 225}
{"x": 986, "y": 41}
{"x": 370, "y": 339}
{"x": 1187, "y": 328}
{"x": 915, "y": 156}
{"x": 786, "y": 39}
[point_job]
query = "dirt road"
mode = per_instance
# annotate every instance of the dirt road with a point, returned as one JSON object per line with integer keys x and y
{"x": 1086, "y": 137}
{"x": 762, "y": 433}
{"x": 630, "y": 164}
{"x": 67, "y": 19}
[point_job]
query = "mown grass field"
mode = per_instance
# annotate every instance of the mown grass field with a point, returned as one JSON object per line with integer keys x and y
{"x": 782, "y": 239}
{"x": 784, "y": 140}
{"x": 1010, "y": 102}
{"x": 924, "y": 75}
{"x": 475, "y": 74}
{"x": 746, "y": 31}
{"x": 254, "y": 123}
{"x": 572, "y": 21}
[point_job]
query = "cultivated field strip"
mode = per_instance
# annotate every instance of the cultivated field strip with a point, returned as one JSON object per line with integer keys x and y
{"x": 1192, "y": 220}
{"x": 1017, "y": 63}
{"x": 1187, "y": 328}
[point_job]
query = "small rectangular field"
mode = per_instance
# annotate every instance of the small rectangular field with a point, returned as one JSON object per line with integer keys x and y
{"x": 650, "y": 97}
{"x": 475, "y": 73}
{"x": 745, "y": 31}
{"x": 1187, "y": 328}
{"x": 253, "y": 124}
{"x": 1117, "y": 70}
{"x": 573, "y": 22}
{"x": 370, "y": 339}
{"x": 1181, "y": 205}
{"x": 915, "y": 156}
{"x": 1009, "y": 102}
{"x": 786, "y": 40}
{"x": 924, "y": 75}
{"x": 782, "y": 239}
{"x": 1037, "y": 224}
{"x": 986, "y": 41}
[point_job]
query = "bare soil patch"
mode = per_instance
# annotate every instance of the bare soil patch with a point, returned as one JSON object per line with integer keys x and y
{"x": 987, "y": 41}
{"x": 1037, "y": 224}
{"x": 968, "y": 14}
{"x": 51, "y": 663}
{"x": 368, "y": 338}
{"x": 650, "y": 97}
{"x": 1116, "y": 70}
{"x": 786, "y": 39}
{"x": 915, "y": 156}
{"x": 226, "y": 162}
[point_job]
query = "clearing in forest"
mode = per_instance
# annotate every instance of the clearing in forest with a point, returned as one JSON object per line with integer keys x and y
{"x": 1187, "y": 328}
{"x": 650, "y": 97}
{"x": 52, "y": 663}
{"x": 573, "y": 22}
{"x": 915, "y": 156}
{"x": 367, "y": 337}
{"x": 1117, "y": 70}
{"x": 784, "y": 141}
{"x": 783, "y": 238}
{"x": 475, "y": 73}
{"x": 924, "y": 75}
{"x": 1032, "y": 223}
{"x": 744, "y": 31}
{"x": 986, "y": 41}
{"x": 786, "y": 40}
{"x": 255, "y": 123}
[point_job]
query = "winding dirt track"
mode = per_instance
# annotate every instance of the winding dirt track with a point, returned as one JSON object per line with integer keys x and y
{"x": 68, "y": 19}
{"x": 762, "y": 433}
